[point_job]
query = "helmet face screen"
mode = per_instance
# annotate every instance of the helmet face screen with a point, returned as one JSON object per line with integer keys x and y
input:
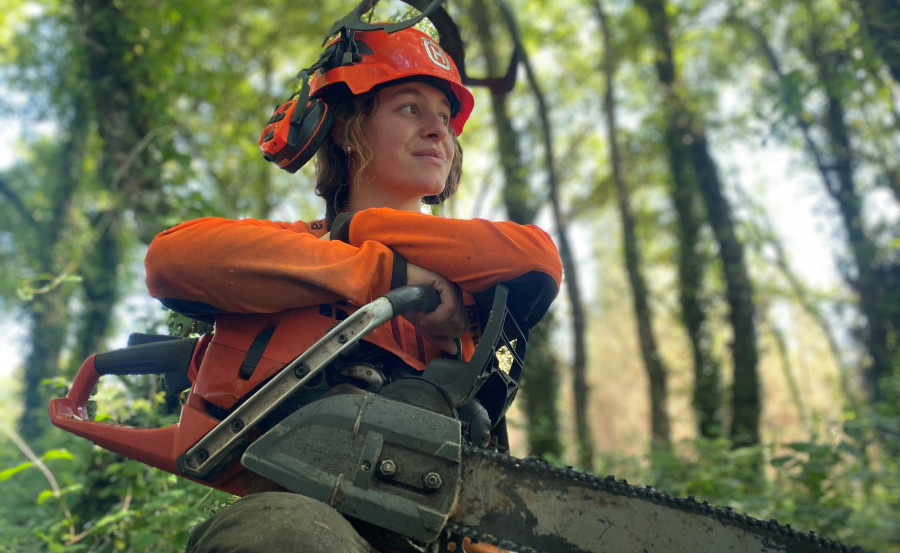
{"x": 479, "y": 35}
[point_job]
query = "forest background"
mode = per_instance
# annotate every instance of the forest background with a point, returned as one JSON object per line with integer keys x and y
{"x": 695, "y": 161}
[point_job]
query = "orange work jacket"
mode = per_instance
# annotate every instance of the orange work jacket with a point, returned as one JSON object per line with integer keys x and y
{"x": 214, "y": 265}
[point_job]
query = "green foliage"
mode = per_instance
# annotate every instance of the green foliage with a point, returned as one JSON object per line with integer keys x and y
{"x": 831, "y": 485}
{"x": 184, "y": 326}
{"x": 77, "y": 497}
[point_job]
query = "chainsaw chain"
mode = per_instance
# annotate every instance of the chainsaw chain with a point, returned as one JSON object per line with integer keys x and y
{"x": 609, "y": 484}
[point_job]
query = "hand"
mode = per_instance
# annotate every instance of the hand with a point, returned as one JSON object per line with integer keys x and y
{"x": 448, "y": 321}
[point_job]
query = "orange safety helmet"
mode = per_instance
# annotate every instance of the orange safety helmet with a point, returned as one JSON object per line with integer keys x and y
{"x": 386, "y": 57}
{"x": 361, "y": 60}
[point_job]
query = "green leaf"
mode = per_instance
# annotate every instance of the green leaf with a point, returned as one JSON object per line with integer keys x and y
{"x": 58, "y": 454}
{"x": 781, "y": 461}
{"x": 44, "y": 496}
{"x": 6, "y": 474}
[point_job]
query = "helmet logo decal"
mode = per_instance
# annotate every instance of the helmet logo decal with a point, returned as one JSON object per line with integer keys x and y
{"x": 436, "y": 53}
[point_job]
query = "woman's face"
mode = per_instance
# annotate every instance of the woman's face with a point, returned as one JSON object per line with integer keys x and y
{"x": 412, "y": 148}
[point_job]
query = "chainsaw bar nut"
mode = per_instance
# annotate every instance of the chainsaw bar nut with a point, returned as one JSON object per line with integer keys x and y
{"x": 387, "y": 467}
{"x": 433, "y": 481}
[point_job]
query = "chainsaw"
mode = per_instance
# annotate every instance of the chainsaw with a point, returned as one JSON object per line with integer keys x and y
{"x": 342, "y": 425}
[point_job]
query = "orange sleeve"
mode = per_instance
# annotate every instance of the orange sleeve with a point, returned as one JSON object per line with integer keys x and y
{"x": 262, "y": 266}
{"x": 476, "y": 254}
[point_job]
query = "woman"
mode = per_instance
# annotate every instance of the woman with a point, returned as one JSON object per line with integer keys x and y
{"x": 393, "y": 146}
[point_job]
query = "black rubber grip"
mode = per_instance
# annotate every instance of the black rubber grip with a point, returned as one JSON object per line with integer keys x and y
{"x": 413, "y": 297}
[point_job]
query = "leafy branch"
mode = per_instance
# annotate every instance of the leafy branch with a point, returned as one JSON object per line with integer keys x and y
{"x": 51, "y": 480}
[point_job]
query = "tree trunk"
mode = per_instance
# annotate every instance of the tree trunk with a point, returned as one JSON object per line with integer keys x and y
{"x": 692, "y": 263}
{"x": 125, "y": 126}
{"x": 653, "y": 364}
{"x": 581, "y": 388}
{"x": 687, "y": 135}
{"x": 745, "y": 403}
{"x": 540, "y": 382}
{"x": 100, "y": 282}
{"x": 47, "y": 314}
{"x": 843, "y": 190}
{"x": 834, "y": 163}
{"x": 54, "y": 257}
{"x": 881, "y": 19}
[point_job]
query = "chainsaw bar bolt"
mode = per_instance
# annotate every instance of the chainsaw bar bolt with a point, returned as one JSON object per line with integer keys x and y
{"x": 301, "y": 370}
{"x": 237, "y": 426}
{"x": 387, "y": 467}
{"x": 433, "y": 481}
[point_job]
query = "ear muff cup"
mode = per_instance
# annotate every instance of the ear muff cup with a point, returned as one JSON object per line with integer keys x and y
{"x": 291, "y": 138}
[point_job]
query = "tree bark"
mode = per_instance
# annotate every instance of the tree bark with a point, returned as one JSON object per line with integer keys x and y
{"x": 48, "y": 310}
{"x": 540, "y": 382}
{"x": 581, "y": 388}
{"x": 746, "y": 407}
{"x": 707, "y": 398}
{"x": 834, "y": 163}
{"x": 843, "y": 190}
{"x": 125, "y": 125}
{"x": 653, "y": 364}
{"x": 686, "y": 129}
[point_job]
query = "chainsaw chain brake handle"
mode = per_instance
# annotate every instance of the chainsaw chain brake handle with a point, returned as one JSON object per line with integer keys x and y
{"x": 492, "y": 374}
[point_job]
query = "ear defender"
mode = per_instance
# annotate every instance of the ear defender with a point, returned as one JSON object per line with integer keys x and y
{"x": 293, "y": 135}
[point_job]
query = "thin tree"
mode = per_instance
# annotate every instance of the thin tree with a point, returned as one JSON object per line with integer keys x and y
{"x": 653, "y": 363}
{"x": 580, "y": 386}
{"x": 47, "y": 235}
{"x": 540, "y": 383}
{"x": 686, "y": 138}
{"x": 833, "y": 155}
{"x": 707, "y": 396}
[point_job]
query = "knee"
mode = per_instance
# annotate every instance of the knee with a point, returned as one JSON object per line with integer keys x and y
{"x": 277, "y": 521}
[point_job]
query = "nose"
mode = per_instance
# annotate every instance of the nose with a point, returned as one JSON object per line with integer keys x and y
{"x": 433, "y": 126}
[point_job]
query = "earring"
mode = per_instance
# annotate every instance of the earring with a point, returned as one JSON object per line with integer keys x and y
{"x": 349, "y": 150}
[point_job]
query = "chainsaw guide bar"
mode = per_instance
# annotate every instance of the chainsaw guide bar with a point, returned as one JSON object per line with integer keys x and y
{"x": 405, "y": 469}
{"x": 531, "y": 506}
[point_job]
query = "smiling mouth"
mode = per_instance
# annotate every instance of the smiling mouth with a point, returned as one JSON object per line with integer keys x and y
{"x": 434, "y": 158}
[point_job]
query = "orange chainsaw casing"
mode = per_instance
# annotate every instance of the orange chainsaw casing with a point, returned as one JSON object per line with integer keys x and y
{"x": 217, "y": 386}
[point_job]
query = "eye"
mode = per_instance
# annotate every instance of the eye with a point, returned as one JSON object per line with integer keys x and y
{"x": 410, "y": 109}
{"x": 445, "y": 119}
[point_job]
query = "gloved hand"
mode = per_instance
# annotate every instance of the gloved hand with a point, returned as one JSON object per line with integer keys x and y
{"x": 476, "y": 419}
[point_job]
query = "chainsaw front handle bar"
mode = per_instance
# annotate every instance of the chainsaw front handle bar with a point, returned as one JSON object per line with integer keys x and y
{"x": 206, "y": 442}
{"x": 214, "y": 448}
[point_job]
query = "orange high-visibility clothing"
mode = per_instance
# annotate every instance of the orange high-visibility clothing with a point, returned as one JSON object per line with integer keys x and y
{"x": 215, "y": 265}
